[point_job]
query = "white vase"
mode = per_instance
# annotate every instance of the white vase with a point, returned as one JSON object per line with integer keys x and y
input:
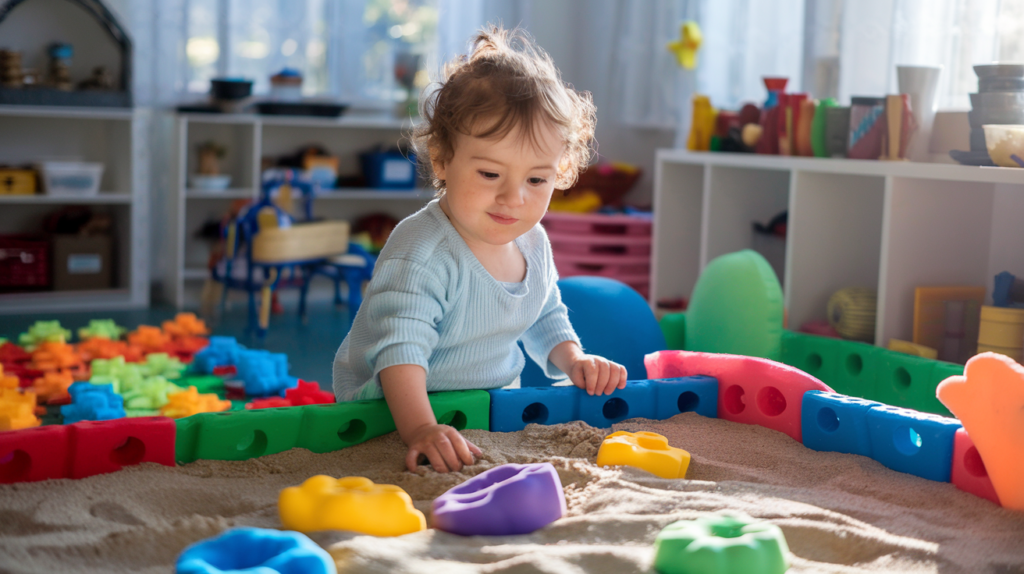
{"x": 921, "y": 83}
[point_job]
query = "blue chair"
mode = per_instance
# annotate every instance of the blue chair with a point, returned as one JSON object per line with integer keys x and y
{"x": 612, "y": 320}
{"x": 353, "y": 268}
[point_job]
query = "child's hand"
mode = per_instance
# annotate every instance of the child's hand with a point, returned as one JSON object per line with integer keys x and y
{"x": 597, "y": 375}
{"x": 444, "y": 447}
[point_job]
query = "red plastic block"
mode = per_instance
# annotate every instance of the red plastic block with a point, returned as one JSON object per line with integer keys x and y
{"x": 969, "y": 474}
{"x": 33, "y": 454}
{"x": 98, "y": 447}
{"x": 751, "y": 390}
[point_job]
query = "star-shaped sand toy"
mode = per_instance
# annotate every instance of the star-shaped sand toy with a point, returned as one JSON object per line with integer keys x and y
{"x": 688, "y": 44}
{"x": 989, "y": 401}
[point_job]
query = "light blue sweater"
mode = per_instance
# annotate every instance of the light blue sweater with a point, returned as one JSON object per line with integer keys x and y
{"x": 432, "y": 303}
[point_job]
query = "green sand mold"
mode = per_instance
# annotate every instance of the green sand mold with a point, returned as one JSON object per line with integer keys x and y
{"x": 721, "y": 545}
{"x": 245, "y": 434}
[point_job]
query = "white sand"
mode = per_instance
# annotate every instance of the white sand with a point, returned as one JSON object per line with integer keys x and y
{"x": 840, "y": 513}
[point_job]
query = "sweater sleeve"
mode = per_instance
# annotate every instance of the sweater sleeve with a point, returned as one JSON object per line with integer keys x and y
{"x": 403, "y": 312}
{"x": 551, "y": 327}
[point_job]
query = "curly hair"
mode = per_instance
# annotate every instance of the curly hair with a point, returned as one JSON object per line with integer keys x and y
{"x": 506, "y": 83}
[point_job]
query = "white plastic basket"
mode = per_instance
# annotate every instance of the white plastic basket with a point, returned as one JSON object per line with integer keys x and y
{"x": 71, "y": 177}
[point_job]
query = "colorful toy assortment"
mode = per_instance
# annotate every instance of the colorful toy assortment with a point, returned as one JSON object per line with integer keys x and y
{"x": 352, "y": 503}
{"x": 721, "y": 545}
{"x": 645, "y": 450}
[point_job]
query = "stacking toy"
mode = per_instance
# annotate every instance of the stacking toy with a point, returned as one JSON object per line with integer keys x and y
{"x": 190, "y": 402}
{"x": 505, "y": 500}
{"x": 256, "y": 551}
{"x": 92, "y": 403}
{"x": 102, "y": 329}
{"x": 989, "y": 401}
{"x": 17, "y": 410}
{"x": 352, "y": 503}
{"x": 721, "y": 545}
{"x": 644, "y": 450}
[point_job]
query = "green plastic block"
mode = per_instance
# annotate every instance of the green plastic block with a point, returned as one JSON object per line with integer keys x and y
{"x": 327, "y": 428}
{"x": 673, "y": 326}
{"x": 929, "y": 401}
{"x": 185, "y": 439}
{"x": 721, "y": 545}
{"x": 462, "y": 409}
{"x": 816, "y": 356}
{"x": 857, "y": 369}
{"x": 203, "y": 383}
{"x": 904, "y": 379}
{"x": 241, "y": 435}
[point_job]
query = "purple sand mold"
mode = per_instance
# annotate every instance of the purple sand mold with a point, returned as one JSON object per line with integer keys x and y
{"x": 508, "y": 499}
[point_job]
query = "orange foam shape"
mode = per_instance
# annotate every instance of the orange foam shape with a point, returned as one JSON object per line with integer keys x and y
{"x": 989, "y": 401}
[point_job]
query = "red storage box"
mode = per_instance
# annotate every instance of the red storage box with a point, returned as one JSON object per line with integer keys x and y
{"x": 24, "y": 262}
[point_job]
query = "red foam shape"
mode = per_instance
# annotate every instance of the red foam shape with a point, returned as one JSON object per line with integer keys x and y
{"x": 308, "y": 393}
{"x": 225, "y": 371}
{"x": 968, "y": 473}
{"x": 11, "y": 354}
{"x": 33, "y": 454}
{"x": 99, "y": 447}
{"x": 751, "y": 390}
{"x": 268, "y": 403}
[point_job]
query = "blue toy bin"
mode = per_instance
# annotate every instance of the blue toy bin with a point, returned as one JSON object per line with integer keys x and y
{"x": 389, "y": 169}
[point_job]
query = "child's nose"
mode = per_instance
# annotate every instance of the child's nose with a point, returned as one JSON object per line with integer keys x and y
{"x": 513, "y": 194}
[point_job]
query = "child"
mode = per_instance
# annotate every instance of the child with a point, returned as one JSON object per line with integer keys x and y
{"x": 470, "y": 274}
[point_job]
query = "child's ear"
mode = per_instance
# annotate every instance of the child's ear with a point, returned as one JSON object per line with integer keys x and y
{"x": 438, "y": 166}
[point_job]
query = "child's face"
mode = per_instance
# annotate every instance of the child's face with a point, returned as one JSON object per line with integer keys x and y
{"x": 498, "y": 189}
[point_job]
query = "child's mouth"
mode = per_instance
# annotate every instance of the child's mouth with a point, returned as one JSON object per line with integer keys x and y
{"x": 503, "y": 220}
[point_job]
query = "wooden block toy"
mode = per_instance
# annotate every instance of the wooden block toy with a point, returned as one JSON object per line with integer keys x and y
{"x": 189, "y": 402}
{"x": 912, "y": 442}
{"x": 721, "y": 544}
{"x": 751, "y": 390}
{"x": 108, "y": 446}
{"x": 254, "y": 550}
{"x": 947, "y": 319}
{"x": 989, "y": 400}
{"x": 644, "y": 450}
{"x": 17, "y": 410}
{"x": 352, "y": 503}
{"x": 968, "y": 472}
{"x": 34, "y": 454}
{"x": 836, "y": 423}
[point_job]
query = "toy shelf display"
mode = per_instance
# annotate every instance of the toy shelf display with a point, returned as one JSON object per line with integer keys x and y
{"x": 887, "y": 226}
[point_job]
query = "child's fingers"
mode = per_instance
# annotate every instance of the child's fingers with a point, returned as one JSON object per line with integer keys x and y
{"x": 590, "y": 376}
{"x": 461, "y": 448}
{"x": 473, "y": 448}
{"x": 411, "y": 458}
{"x": 604, "y": 386}
{"x": 447, "y": 451}
{"x": 435, "y": 458}
{"x": 622, "y": 376}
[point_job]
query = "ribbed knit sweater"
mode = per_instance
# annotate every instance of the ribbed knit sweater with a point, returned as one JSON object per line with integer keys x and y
{"x": 432, "y": 303}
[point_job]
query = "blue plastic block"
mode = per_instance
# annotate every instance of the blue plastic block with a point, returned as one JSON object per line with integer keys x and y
{"x": 912, "y": 442}
{"x": 255, "y": 550}
{"x": 513, "y": 409}
{"x": 685, "y": 394}
{"x": 836, "y": 423}
{"x": 221, "y": 351}
{"x": 634, "y": 401}
{"x": 91, "y": 402}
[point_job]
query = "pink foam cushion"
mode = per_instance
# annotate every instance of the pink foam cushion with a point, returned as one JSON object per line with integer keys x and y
{"x": 969, "y": 474}
{"x": 751, "y": 390}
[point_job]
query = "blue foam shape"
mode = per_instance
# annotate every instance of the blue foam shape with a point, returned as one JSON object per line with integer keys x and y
{"x": 220, "y": 351}
{"x": 831, "y": 422}
{"x": 685, "y": 394}
{"x": 509, "y": 407}
{"x": 634, "y": 401}
{"x": 256, "y": 551}
{"x": 91, "y": 402}
{"x": 893, "y": 445}
{"x": 264, "y": 373}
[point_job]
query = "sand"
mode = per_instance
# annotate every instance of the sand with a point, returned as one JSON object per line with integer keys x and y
{"x": 840, "y": 513}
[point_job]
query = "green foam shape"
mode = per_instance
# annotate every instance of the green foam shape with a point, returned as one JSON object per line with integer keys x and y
{"x": 673, "y": 326}
{"x": 857, "y": 369}
{"x": 903, "y": 380}
{"x": 241, "y": 435}
{"x": 104, "y": 328}
{"x": 925, "y": 394}
{"x": 185, "y": 437}
{"x": 205, "y": 384}
{"x": 721, "y": 545}
{"x": 42, "y": 331}
{"x": 815, "y": 355}
{"x": 327, "y": 428}
{"x": 736, "y": 308}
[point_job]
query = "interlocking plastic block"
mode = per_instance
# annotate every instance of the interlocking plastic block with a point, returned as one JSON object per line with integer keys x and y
{"x": 189, "y": 402}
{"x": 327, "y": 428}
{"x": 721, "y": 545}
{"x": 11, "y": 354}
{"x": 836, "y": 423}
{"x": 751, "y": 390}
{"x": 150, "y": 339}
{"x": 636, "y": 400}
{"x": 202, "y": 383}
{"x": 912, "y": 442}
{"x": 644, "y": 450}
{"x": 152, "y": 394}
{"x": 857, "y": 369}
{"x": 108, "y": 446}
{"x": 42, "y": 331}
{"x": 264, "y": 373}
{"x": 124, "y": 376}
{"x": 222, "y": 351}
{"x": 17, "y": 410}
{"x": 513, "y": 409}
{"x": 256, "y": 551}
{"x": 54, "y": 355}
{"x": 815, "y": 355}
{"x": 185, "y": 325}
{"x": 940, "y": 372}
{"x": 904, "y": 380}
{"x": 461, "y": 409}
{"x": 102, "y": 329}
{"x": 33, "y": 454}
{"x": 241, "y": 435}
{"x": 969, "y": 473}
{"x": 353, "y": 503}
{"x": 9, "y": 381}
{"x": 506, "y": 500}
{"x": 100, "y": 348}
{"x": 308, "y": 393}
{"x": 162, "y": 365}
{"x": 185, "y": 348}
{"x": 92, "y": 403}
{"x": 697, "y": 394}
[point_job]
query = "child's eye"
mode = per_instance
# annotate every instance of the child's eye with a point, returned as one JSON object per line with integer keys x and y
{"x": 537, "y": 180}
{"x": 489, "y": 175}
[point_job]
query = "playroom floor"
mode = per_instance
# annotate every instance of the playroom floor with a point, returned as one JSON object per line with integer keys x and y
{"x": 310, "y": 347}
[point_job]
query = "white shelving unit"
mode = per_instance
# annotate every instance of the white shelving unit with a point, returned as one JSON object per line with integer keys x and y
{"x": 248, "y": 139}
{"x": 889, "y": 226}
{"x": 117, "y": 139}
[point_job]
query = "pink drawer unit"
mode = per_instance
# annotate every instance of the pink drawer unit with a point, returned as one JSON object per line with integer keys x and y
{"x": 596, "y": 224}
{"x": 593, "y": 243}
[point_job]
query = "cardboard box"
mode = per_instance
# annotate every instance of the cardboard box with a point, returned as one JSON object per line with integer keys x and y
{"x": 82, "y": 262}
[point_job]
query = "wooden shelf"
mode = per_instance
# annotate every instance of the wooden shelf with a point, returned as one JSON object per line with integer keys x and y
{"x": 100, "y": 199}
{"x": 223, "y": 194}
{"x": 55, "y": 301}
{"x": 96, "y": 113}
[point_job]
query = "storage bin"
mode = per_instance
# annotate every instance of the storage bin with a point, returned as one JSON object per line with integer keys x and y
{"x": 71, "y": 177}
{"x": 389, "y": 169}
{"x": 24, "y": 262}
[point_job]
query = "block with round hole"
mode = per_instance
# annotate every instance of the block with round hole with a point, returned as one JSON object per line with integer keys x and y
{"x": 513, "y": 409}
{"x": 462, "y": 409}
{"x": 697, "y": 394}
{"x": 836, "y": 423}
{"x": 99, "y": 447}
{"x": 929, "y": 401}
{"x": 33, "y": 454}
{"x": 327, "y": 428}
{"x": 857, "y": 369}
{"x": 912, "y": 442}
{"x": 904, "y": 380}
{"x": 186, "y": 434}
{"x": 751, "y": 390}
{"x": 968, "y": 472}
{"x": 241, "y": 435}
{"x": 815, "y": 355}
{"x": 602, "y": 411}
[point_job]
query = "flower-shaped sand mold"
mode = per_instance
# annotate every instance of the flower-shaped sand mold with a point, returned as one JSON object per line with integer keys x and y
{"x": 505, "y": 500}
{"x": 721, "y": 545}
{"x": 256, "y": 550}
{"x": 644, "y": 450}
{"x": 352, "y": 503}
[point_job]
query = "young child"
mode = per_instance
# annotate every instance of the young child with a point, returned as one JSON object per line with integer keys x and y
{"x": 465, "y": 278}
